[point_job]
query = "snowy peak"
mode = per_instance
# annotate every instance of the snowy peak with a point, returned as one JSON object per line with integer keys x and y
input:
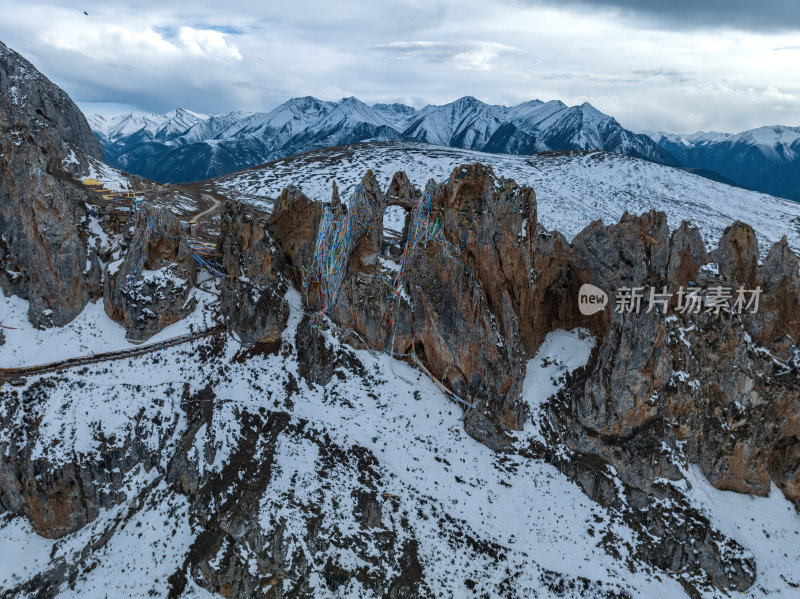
{"x": 181, "y": 113}
{"x": 121, "y": 126}
{"x": 239, "y": 140}
{"x": 541, "y": 116}
{"x": 769, "y": 137}
{"x": 591, "y": 114}
{"x": 765, "y": 159}
{"x": 353, "y": 110}
{"x": 466, "y": 123}
{"x": 283, "y": 121}
{"x": 145, "y": 125}
{"x": 520, "y": 111}
{"x": 178, "y": 122}
{"x": 212, "y": 127}
{"x": 398, "y": 115}
{"x": 305, "y": 109}
{"x": 349, "y": 121}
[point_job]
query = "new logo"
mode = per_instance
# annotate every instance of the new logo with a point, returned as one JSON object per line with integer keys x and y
{"x": 591, "y": 299}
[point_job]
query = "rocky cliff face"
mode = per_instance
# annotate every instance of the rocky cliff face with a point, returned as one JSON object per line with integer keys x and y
{"x": 472, "y": 317}
{"x": 720, "y": 390}
{"x": 43, "y": 253}
{"x": 50, "y": 251}
{"x": 32, "y": 101}
{"x": 252, "y": 293}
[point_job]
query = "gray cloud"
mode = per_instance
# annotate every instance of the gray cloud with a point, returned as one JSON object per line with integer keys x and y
{"x": 636, "y": 65}
{"x": 747, "y": 15}
{"x": 473, "y": 55}
{"x": 424, "y": 50}
{"x": 666, "y": 74}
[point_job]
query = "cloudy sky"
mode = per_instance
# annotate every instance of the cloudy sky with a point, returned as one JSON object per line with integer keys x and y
{"x": 674, "y": 65}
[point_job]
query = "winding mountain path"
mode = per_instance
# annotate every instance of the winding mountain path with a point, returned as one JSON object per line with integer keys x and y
{"x": 204, "y": 213}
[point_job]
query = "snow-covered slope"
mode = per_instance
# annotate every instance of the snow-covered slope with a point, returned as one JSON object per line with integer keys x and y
{"x": 572, "y": 189}
{"x": 480, "y": 523}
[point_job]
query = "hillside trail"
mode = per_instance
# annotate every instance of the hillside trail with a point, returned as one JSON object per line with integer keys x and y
{"x": 201, "y": 215}
{"x": 7, "y": 374}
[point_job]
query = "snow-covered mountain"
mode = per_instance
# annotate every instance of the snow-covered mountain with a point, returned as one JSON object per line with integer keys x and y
{"x": 144, "y": 125}
{"x": 185, "y": 146}
{"x": 766, "y": 159}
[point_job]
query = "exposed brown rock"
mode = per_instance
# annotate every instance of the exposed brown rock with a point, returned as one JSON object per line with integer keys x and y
{"x": 633, "y": 253}
{"x": 737, "y": 254}
{"x": 552, "y": 303}
{"x": 777, "y": 323}
{"x": 365, "y": 256}
{"x": 252, "y": 295}
{"x": 687, "y": 255}
{"x": 462, "y": 317}
{"x": 147, "y": 302}
{"x": 364, "y": 305}
{"x": 699, "y": 373}
{"x": 293, "y": 224}
{"x": 627, "y": 254}
{"x": 633, "y": 365}
{"x": 401, "y": 192}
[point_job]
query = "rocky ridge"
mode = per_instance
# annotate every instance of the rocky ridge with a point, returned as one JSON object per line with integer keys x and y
{"x": 659, "y": 392}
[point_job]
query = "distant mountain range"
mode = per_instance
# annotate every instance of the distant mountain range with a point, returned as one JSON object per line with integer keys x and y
{"x": 183, "y": 146}
{"x": 766, "y": 159}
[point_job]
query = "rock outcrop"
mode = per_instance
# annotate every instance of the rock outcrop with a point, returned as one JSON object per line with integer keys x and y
{"x": 737, "y": 254}
{"x": 776, "y": 324}
{"x": 694, "y": 380}
{"x": 401, "y": 192}
{"x": 252, "y": 292}
{"x": 293, "y": 223}
{"x": 696, "y": 374}
{"x": 43, "y": 253}
{"x": 149, "y": 288}
{"x": 457, "y": 312}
